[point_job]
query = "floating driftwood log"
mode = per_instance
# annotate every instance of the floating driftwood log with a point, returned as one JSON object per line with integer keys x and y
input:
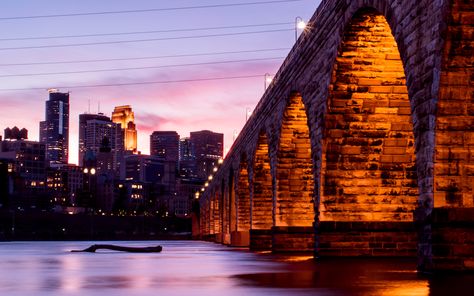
{"x": 93, "y": 248}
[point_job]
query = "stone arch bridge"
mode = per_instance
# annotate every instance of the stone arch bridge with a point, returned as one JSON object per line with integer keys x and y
{"x": 363, "y": 144}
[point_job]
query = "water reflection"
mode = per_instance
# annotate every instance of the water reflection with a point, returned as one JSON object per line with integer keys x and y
{"x": 198, "y": 268}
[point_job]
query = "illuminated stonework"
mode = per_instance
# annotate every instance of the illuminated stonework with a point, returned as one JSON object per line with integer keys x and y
{"x": 454, "y": 156}
{"x": 125, "y": 116}
{"x": 294, "y": 172}
{"x": 378, "y": 161}
{"x": 262, "y": 187}
{"x": 243, "y": 198}
{"x": 368, "y": 171}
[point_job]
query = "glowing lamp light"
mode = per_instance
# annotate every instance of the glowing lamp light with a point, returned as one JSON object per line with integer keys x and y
{"x": 202, "y": 189}
{"x": 268, "y": 79}
{"x": 92, "y": 171}
{"x": 86, "y": 170}
{"x": 210, "y": 178}
{"x": 300, "y": 24}
{"x": 206, "y": 184}
{"x": 214, "y": 169}
{"x": 220, "y": 161}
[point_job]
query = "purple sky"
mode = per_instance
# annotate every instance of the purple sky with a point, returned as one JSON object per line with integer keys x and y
{"x": 218, "y": 105}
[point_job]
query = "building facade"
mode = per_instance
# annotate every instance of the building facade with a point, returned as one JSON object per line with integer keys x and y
{"x": 165, "y": 144}
{"x": 27, "y": 160}
{"x": 125, "y": 117}
{"x": 54, "y": 130}
{"x": 83, "y": 119}
{"x": 96, "y": 133}
{"x": 208, "y": 148}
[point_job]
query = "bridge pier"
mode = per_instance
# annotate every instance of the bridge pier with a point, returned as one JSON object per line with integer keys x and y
{"x": 240, "y": 239}
{"x": 293, "y": 239}
{"x": 261, "y": 240}
{"x": 453, "y": 239}
{"x": 367, "y": 239}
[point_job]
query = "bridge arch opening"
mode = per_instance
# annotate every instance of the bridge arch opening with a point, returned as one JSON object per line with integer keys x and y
{"x": 232, "y": 203}
{"x": 240, "y": 236}
{"x": 294, "y": 169}
{"x": 368, "y": 171}
{"x": 243, "y": 196}
{"x": 262, "y": 199}
{"x": 217, "y": 214}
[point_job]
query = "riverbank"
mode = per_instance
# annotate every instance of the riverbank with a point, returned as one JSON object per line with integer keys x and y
{"x": 24, "y": 226}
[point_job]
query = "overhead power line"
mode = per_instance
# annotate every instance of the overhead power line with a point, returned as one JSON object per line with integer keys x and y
{"x": 144, "y": 58}
{"x": 144, "y": 10}
{"x": 143, "y": 32}
{"x": 138, "y": 83}
{"x": 140, "y": 68}
{"x": 142, "y": 40}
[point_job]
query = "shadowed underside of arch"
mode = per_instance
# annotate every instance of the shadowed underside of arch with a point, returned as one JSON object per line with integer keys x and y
{"x": 294, "y": 171}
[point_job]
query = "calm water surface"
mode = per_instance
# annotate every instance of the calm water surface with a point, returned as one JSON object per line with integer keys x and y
{"x": 200, "y": 268}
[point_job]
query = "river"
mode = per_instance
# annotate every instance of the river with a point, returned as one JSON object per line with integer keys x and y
{"x": 202, "y": 268}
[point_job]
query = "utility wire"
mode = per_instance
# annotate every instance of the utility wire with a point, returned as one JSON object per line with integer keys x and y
{"x": 142, "y": 40}
{"x": 138, "y": 83}
{"x": 145, "y": 10}
{"x": 143, "y": 58}
{"x": 143, "y": 32}
{"x": 140, "y": 68}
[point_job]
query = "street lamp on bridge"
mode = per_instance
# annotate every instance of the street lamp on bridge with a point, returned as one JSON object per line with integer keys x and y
{"x": 268, "y": 78}
{"x": 300, "y": 24}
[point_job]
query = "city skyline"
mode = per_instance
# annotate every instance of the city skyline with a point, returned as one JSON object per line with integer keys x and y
{"x": 180, "y": 106}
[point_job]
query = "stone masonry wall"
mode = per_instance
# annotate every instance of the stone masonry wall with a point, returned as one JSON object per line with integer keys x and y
{"x": 294, "y": 171}
{"x": 243, "y": 198}
{"x": 262, "y": 203}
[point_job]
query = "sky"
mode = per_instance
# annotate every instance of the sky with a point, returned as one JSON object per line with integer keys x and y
{"x": 181, "y": 46}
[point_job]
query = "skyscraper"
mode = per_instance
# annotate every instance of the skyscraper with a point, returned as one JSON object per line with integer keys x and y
{"x": 165, "y": 144}
{"x": 187, "y": 159}
{"x": 125, "y": 116}
{"x": 54, "y": 130}
{"x": 208, "y": 148}
{"x": 83, "y": 118}
{"x": 94, "y": 131}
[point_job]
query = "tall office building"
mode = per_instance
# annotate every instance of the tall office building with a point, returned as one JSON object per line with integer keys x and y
{"x": 125, "y": 116}
{"x": 97, "y": 130}
{"x": 54, "y": 130}
{"x": 83, "y": 118}
{"x": 187, "y": 159}
{"x": 208, "y": 148}
{"x": 165, "y": 144}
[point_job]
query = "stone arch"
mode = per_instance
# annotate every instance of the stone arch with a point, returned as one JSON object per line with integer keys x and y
{"x": 217, "y": 213}
{"x": 243, "y": 196}
{"x": 232, "y": 203}
{"x": 262, "y": 199}
{"x": 368, "y": 171}
{"x": 294, "y": 168}
{"x": 454, "y": 148}
{"x": 223, "y": 211}
{"x": 206, "y": 217}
